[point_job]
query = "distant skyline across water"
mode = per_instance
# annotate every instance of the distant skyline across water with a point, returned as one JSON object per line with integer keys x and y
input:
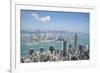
{"x": 34, "y": 20}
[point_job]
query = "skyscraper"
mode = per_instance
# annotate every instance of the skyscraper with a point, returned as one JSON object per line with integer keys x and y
{"x": 51, "y": 49}
{"x": 87, "y": 47}
{"x": 75, "y": 40}
{"x": 64, "y": 48}
{"x": 31, "y": 51}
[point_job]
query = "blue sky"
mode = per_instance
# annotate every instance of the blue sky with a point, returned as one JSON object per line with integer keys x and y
{"x": 32, "y": 20}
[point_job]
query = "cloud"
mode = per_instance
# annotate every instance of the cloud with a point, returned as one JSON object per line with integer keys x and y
{"x": 43, "y": 18}
{"x": 36, "y": 16}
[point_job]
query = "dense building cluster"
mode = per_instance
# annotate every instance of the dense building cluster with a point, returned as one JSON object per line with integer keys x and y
{"x": 67, "y": 53}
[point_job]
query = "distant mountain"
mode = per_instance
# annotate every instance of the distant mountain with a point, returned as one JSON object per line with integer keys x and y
{"x": 62, "y": 32}
{"x": 44, "y": 31}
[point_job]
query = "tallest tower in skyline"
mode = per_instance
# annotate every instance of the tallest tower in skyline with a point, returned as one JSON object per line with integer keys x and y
{"x": 75, "y": 40}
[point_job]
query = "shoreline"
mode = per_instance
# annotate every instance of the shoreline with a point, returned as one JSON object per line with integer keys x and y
{"x": 42, "y": 42}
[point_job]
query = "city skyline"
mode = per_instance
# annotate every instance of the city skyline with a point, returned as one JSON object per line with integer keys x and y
{"x": 33, "y": 20}
{"x": 54, "y": 36}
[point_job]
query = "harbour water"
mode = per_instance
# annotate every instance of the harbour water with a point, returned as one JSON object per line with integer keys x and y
{"x": 82, "y": 39}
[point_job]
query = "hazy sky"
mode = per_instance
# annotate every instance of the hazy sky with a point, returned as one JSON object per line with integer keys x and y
{"x": 32, "y": 20}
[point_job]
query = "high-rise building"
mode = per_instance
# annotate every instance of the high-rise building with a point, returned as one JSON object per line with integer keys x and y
{"x": 64, "y": 48}
{"x": 75, "y": 40}
{"x": 87, "y": 47}
{"x": 31, "y": 51}
{"x": 80, "y": 49}
{"x": 42, "y": 55}
{"x": 41, "y": 50}
{"x": 51, "y": 49}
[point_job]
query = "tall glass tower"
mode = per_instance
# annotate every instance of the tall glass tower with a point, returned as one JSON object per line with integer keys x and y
{"x": 64, "y": 48}
{"x": 75, "y": 41}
